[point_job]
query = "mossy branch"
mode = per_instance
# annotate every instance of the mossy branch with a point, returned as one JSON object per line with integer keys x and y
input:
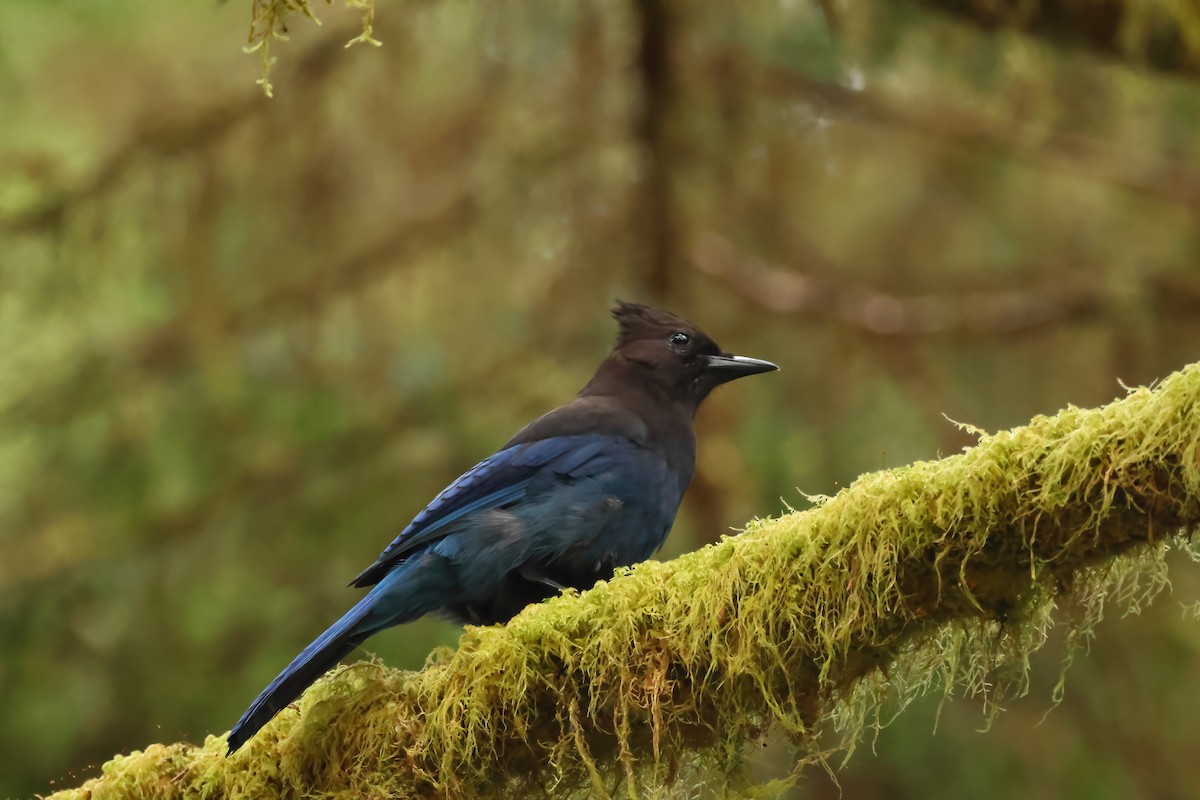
{"x": 942, "y": 572}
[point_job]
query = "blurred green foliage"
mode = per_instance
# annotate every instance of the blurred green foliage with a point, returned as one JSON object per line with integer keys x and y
{"x": 243, "y": 341}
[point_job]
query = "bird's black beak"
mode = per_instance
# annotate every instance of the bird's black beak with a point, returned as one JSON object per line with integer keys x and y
{"x": 728, "y": 368}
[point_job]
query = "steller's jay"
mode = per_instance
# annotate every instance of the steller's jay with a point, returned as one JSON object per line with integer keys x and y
{"x": 589, "y": 487}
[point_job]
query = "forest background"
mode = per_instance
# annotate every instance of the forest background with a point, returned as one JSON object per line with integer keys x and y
{"x": 242, "y": 341}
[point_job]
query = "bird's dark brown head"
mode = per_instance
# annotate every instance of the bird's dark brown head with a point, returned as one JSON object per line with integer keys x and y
{"x": 667, "y": 353}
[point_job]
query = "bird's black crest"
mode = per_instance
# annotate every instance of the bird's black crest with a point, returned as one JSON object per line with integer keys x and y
{"x": 637, "y": 321}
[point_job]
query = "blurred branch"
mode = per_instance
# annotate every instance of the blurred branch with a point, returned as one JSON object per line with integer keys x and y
{"x": 445, "y": 218}
{"x": 833, "y": 20}
{"x": 1058, "y": 150}
{"x": 941, "y": 572}
{"x": 1159, "y": 34}
{"x": 162, "y": 139}
{"x": 280, "y": 482}
{"x": 171, "y": 346}
{"x": 911, "y": 367}
{"x": 969, "y": 312}
{"x": 166, "y": 137}
{"x": 276, "y": 483}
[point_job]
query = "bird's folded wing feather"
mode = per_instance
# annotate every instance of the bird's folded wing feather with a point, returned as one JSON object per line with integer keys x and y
{"x": 500, "y": 480}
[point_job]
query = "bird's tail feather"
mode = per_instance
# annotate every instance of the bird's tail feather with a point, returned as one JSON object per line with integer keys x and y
{"x": 402, "y": 596}
{"x": 327, "y": 650}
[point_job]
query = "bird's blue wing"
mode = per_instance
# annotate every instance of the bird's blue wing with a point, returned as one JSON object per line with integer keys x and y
{"x": 498, "y": 481}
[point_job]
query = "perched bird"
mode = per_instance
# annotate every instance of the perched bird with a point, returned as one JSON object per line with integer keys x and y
{"x": 589, "y": 487}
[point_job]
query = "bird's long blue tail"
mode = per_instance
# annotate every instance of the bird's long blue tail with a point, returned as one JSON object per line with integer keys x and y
{"x": 408, "y": 592}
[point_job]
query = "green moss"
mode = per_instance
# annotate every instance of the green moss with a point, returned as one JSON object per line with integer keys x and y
{"x": 942, "y": 573}
{"x": 269, "y": 23}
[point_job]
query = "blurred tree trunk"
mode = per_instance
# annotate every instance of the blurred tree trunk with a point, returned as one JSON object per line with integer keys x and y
{"x": 655, "y": 212}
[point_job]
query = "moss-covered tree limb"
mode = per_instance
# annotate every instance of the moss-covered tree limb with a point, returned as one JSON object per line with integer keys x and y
{"x": 945, "y": 569}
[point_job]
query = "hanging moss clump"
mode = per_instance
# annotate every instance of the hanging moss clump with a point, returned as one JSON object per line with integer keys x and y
{"x": 269, "y": 24}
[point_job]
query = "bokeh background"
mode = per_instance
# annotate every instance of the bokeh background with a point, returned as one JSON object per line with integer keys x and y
{"x": 243, "y": 341}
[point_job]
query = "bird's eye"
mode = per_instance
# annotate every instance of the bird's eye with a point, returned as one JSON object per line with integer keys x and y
{"x": 679, "y": 340}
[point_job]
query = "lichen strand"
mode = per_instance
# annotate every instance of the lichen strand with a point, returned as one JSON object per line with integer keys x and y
{"x": 938, "y": 574}
{"x": 269, "y": 23}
